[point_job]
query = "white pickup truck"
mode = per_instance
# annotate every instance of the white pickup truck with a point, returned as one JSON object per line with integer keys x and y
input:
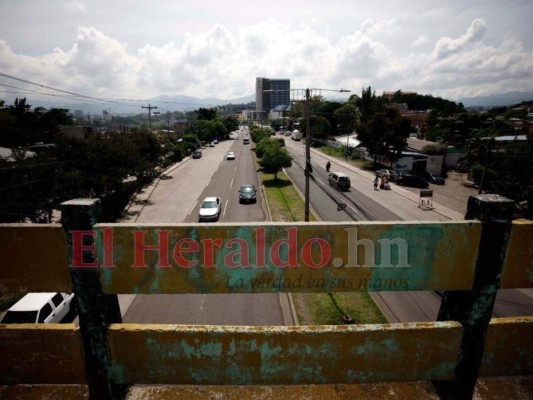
{"x": 39, "y": 308}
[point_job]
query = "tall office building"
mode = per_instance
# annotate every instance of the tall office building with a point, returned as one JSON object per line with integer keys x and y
{"x": 271, "y": 93}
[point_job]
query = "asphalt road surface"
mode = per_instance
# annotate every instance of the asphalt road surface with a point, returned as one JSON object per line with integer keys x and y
{"x": 362, "y": 203}
{"x": 177, "y": 198}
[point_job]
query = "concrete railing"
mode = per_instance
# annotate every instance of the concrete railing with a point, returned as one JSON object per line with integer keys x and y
{"x": 467, "y": 260}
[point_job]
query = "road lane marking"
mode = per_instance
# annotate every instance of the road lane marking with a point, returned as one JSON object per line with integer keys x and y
{"x": 194, "y": 205}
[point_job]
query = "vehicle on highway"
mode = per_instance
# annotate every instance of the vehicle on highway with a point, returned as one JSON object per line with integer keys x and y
{"x": 49, "y": 307}
{"x": 339, "y": 180}
{"x": 434, "y": 178}
{"x": 210, "y": 209}
{"x": 197, "y": 154}
{"x": 412, "y": 180}
{"x": 390, "y": 174}
{"x": 246, "y": 141}
{"x": 247, "y": 194}
{"x": 230, "y": 155}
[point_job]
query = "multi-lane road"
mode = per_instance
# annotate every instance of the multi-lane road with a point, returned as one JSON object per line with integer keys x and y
{"x": 365, "y": 204}
{"x": 177, "y": 198}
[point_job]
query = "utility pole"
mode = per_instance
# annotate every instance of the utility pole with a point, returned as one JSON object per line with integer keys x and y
{"x": 307, "y": 154}
{"x": 150, "y": 114}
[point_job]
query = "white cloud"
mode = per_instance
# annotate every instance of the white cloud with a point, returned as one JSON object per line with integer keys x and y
{"x": 75, "y": 7}
{"x": 447, "y": 46}
{"x": 220, "y": 62}
{"x": 420, "y": 40}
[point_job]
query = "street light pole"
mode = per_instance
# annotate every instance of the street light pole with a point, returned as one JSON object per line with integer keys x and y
{"x": 307, "y": 154}
{"x": 308, "y": 139}
{"x": 347, "y": 145}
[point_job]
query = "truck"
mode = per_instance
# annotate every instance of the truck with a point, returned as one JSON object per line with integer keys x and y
{"x": 296, "y": 135}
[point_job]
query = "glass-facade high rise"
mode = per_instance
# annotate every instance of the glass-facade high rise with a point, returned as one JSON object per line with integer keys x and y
{"x": 271, "y": 93}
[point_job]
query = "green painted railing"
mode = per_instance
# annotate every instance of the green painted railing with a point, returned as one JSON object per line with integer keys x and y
{"x": 467, "y": 260}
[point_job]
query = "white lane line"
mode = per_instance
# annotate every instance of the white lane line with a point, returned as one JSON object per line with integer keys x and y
{"x": 194, "y": 205}
{"x": 226, "y": 206}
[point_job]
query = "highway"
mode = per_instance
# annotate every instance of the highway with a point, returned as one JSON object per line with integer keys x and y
{"x": 365, "y": 204}
{"x": 177, "y": 198}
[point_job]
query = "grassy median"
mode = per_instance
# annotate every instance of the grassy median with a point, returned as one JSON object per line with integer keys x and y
{"x": 286, "y": 204}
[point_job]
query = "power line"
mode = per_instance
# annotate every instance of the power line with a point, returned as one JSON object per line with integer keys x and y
{"x": 93, "y": 98}
{"x": 150, "y": 113}
{"x": 22, "y": 184}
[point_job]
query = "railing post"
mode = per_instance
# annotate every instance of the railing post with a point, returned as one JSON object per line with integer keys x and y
{"x": 473, "y": 309}
{"x": 96, "y": 310}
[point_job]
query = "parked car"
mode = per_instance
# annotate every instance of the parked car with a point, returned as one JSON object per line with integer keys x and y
{"x": 434, "y": 178}
{"x": 412, "y": 180}
{"x": 210, "y": 209}
{"x": 230, "y": 155}
{"x": 215, "y": 141}
{"x": 246, "y": 141}
{"x": 390, "y": 174}
{"x": 247, "y": 194}
{"x": 50, "y": 307}
{"x": 197, "y": 154}
{"x": 211, "y": 144}
{"x": 339, "y": 180}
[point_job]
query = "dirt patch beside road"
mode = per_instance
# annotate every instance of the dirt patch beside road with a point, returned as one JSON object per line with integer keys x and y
{"x": 454, "y": 194}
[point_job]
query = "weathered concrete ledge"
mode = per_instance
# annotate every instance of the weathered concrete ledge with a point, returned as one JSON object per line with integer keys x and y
{"x": 516, "y": 388}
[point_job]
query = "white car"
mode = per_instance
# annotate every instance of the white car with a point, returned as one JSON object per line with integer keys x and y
{"x": 210, "y": 209}
{"x": 230, "y": 155}
{"x": 39, "y": 308}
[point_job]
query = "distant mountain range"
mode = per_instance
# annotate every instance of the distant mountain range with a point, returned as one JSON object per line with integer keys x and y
{"x": 495, "y": 100}
{"x": 163, "y": 103}
{"x": 166, "y": 103}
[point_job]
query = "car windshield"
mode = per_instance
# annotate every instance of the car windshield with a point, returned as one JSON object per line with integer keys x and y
{"x": 209, "y": 204}
{"x": 20, "y": 317}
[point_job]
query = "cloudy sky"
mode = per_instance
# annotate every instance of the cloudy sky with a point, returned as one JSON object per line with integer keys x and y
{"x": 137, "y": 50}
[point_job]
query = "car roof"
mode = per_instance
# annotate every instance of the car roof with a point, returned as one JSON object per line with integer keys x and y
{"x": 339, "y": 174}
{"x": 211, "y": 198}
{"x": 32, "y": 301}
{"x": 247, "y": 185}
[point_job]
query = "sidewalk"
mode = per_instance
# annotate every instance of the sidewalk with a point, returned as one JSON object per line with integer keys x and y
{"x": 393, "y": 199}
{"x": 141, "y": 198}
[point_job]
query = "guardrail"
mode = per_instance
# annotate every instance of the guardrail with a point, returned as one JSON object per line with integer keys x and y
{"x": 468, "y": 260}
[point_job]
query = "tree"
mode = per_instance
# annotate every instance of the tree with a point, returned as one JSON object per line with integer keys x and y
{"x": 264, "y": 144}
{"x": 275, "y": 159}
{"x": 231, "y": 123}
{"x": 206, "y": 114}
{"x": 385, "y": 134}
{"x": 347, "y": 116}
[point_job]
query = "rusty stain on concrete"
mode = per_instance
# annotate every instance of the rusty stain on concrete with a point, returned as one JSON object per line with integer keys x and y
{"x": 317, "y": 257}
{"x": 175, "y": 354}
{"x": 34, "y": 258}
{"x": 41, "y": 353}
{"x": 513, "y": 359}
{"x": 518, "y": 264}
